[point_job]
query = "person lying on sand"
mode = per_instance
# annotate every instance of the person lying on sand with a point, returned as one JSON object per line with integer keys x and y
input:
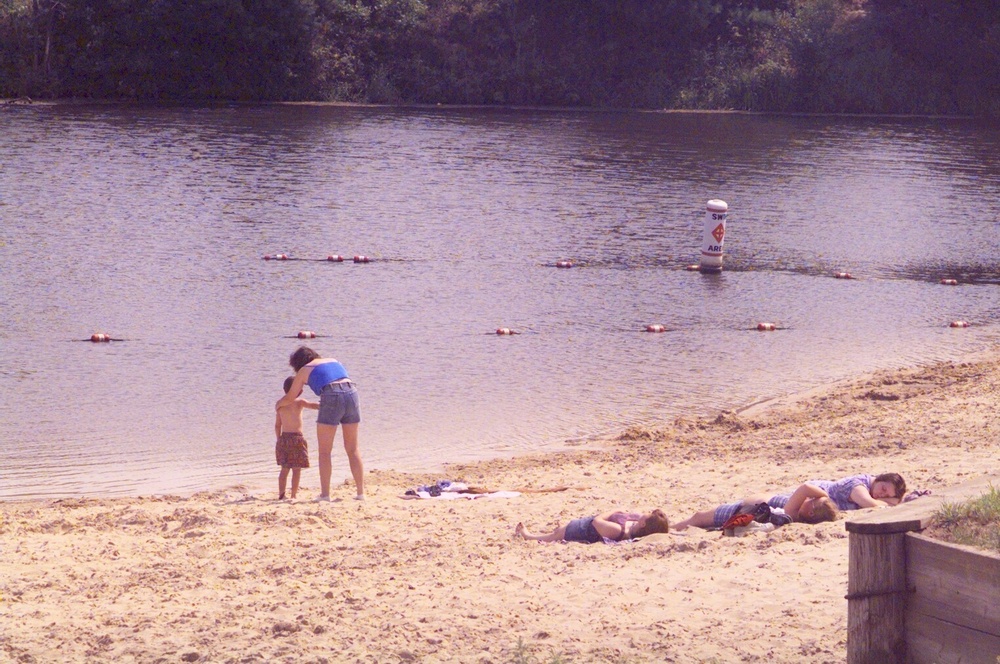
{"x": 611, "y": 526}
{"x": 807, "y": 504}
{"x": 863, "y": 491}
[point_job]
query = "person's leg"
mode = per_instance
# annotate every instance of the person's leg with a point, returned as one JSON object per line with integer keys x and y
{"x": 324, "y": 443}
{"x": 354, "y": 458}
{"x": 555, "y": 536}
{"x": 282, "y": 479}
{"x": 296, "y": 474}
{"x": 699, "y": 520}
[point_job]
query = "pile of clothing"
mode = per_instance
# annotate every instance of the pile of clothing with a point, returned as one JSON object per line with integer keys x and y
{"x": 759, "y": 518}
{"x": 439, "y": 487}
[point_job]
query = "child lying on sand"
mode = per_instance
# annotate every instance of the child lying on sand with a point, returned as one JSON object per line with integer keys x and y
{"x": 611, "y": 526}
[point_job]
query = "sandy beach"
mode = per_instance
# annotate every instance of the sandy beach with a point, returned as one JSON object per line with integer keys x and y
{"x": 229, "y": 576}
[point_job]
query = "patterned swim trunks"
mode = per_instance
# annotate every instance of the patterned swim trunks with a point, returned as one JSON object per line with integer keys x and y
{"x": 292, "y": 451}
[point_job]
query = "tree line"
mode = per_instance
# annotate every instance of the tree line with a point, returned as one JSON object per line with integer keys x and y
{"x": 852, "y": 56}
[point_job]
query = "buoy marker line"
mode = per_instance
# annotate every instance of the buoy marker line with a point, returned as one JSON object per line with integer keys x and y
{"x": 331, "y": 258}
{"x": 100, "y": 338}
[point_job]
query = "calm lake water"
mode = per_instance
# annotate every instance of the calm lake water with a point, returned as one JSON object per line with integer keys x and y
{"x": 150, "y": 224}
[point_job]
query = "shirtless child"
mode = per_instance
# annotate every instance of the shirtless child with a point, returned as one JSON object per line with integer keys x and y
{"x": 291, "y": 450}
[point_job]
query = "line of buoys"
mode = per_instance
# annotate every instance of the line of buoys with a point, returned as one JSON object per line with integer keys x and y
{"x": 949, "y": 282}
{"x": 306, "y": 334}
{"x": 564, "y": 264}
{"x": 100, "y": 337}
{"x": 655, "y": 327}
{"x": 959, "y": 323}
{"x": 844, "y": 275}
{"x": 505, "y": 331}
{"x": 332, "y": 258}
{"x": 692, "y": 268}
{"x": 766, "y": 327}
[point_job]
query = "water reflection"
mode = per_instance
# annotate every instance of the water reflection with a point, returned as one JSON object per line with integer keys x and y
{"x": 150, "y": 223}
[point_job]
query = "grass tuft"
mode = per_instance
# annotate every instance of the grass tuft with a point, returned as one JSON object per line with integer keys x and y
{"x": 975, "y": 522}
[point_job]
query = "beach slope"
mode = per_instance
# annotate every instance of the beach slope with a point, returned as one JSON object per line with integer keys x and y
{"x": 227, "y": 576}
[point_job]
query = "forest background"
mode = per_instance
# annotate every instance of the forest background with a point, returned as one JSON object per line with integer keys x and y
{"x": 843, "y": 56}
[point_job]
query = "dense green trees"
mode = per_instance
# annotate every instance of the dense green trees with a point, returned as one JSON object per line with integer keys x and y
{"x": 879, "y": 56}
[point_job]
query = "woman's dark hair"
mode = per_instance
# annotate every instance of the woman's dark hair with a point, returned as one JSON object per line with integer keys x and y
{"x": 302, "y": 356}
{"x": 896, "y": 480}
{"x": 657, "y": 522}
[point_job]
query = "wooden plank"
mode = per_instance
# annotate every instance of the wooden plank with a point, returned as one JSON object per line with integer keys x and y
{"x": 918, "y": 514}
{"x": 933, "y": 641}
{"x": 954, "y": 583}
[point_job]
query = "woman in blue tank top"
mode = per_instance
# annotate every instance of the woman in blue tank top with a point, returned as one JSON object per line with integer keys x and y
{"x": 338, "y": 406}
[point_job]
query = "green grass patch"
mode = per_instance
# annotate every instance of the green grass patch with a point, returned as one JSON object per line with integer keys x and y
{"x": 975, "y": 522}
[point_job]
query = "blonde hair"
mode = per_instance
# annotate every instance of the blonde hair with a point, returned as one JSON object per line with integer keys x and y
{"x": 824, "y": 509}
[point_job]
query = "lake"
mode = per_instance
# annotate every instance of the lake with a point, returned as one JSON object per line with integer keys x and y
{"x": 151, "y": 224}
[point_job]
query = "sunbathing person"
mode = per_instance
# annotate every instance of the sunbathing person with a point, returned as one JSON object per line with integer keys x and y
{"x": 611, "y": 526}
{"x": 807, "y": 504}
{"x": 862, "y": 491}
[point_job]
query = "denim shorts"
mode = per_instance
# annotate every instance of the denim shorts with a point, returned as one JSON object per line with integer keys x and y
{"x": 338, "y": 404}
{"x": 582, "y": 530}
{"x": 724, "y": 512}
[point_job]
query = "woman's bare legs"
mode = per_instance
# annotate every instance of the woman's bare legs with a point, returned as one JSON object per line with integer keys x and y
{"x": 324, "y": 440}
{"x": 555, "y": 536}
{"x": 354, "y": 458}
{"x": 704, "y": 519}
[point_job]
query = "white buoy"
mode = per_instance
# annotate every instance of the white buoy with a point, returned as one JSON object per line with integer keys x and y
{"x": 713, "y": 237}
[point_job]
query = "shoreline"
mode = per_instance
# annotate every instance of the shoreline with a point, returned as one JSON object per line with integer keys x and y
{"x": 224, "y": 576}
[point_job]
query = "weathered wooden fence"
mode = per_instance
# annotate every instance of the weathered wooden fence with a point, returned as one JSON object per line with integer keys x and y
{"x": 915, "y": 600}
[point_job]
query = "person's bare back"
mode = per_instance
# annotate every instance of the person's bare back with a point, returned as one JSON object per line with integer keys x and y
{"x": 290, "y": 417}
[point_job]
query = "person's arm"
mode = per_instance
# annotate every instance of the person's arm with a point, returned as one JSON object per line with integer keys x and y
{"x": 277, "y": 426}
{"x": 799, "y": 496}
{"x": 300, "y": 380}
{"x": 863, "y": 498}
{"x": 607, "y": 528}
{"x": 311, "y": 405}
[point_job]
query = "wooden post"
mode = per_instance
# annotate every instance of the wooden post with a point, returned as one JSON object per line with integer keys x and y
{"x": 876, "y": 599}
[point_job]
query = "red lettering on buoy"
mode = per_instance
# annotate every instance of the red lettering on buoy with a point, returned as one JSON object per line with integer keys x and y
{"x": 98, "y": 337}
{"x": 656, "y": 327}
{"x": 504, "y": 331}
{"x": 305, "y": 334}
{"x": 362, "y": 259}
{"x": 564, "y": 263}
{"x": 959, "y": 323}
{"x": 844, "y": 275}
{"x": 949, "y": 282}
{"x": 335, "y": 258}
{"x": 765, "y": 327}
